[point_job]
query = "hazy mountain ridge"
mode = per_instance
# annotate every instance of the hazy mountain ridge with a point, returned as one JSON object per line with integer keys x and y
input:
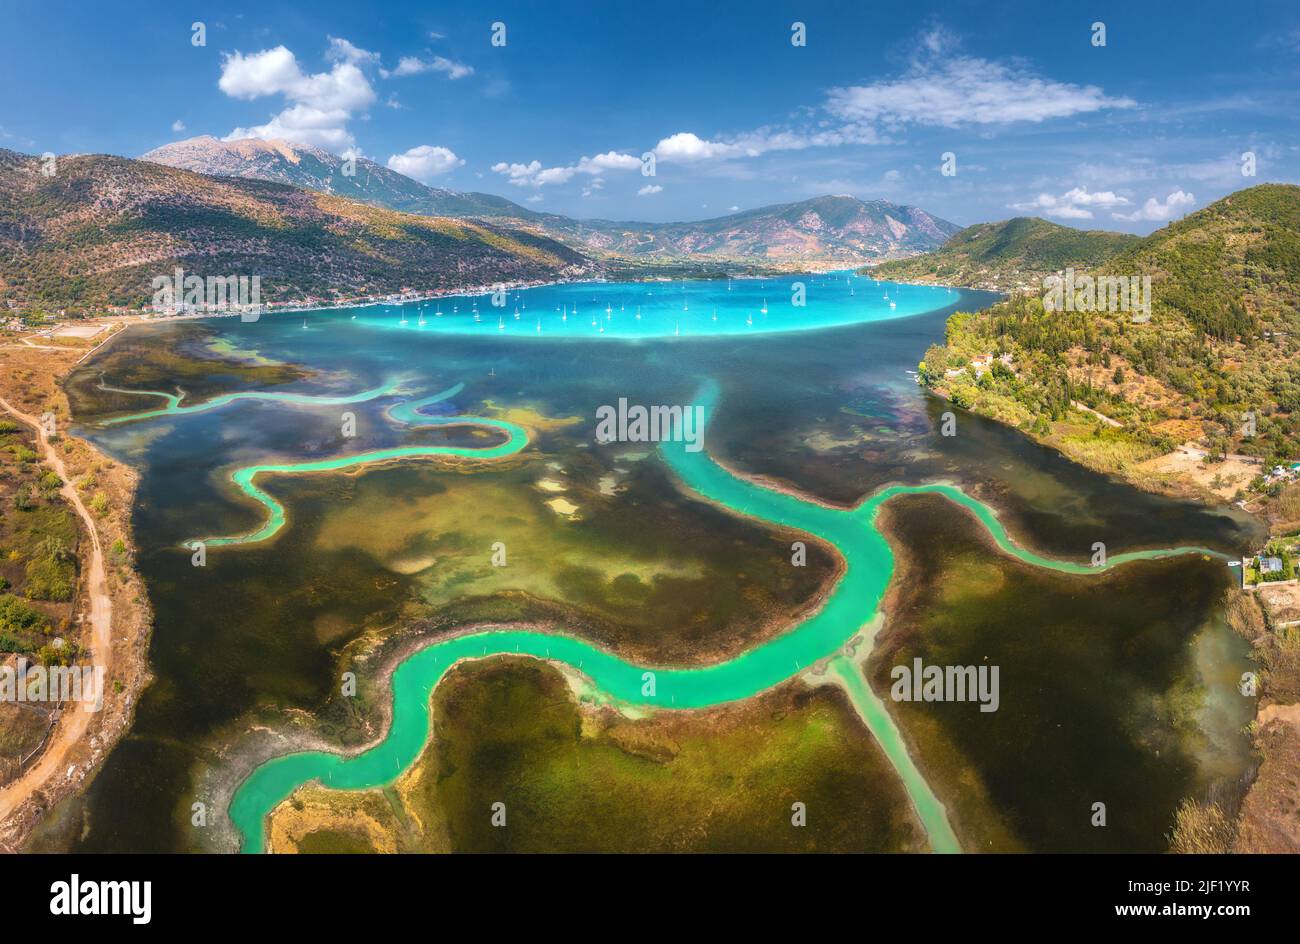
{"x": 829, "y": 228}
{"x": 302, "y": 165}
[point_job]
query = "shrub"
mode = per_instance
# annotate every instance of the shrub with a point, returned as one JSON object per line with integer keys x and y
{"x": 50, "y": 579}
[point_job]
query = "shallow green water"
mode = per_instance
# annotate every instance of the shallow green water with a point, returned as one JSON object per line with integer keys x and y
{"x": 852, "y": 605}
{"x": 407, "y": 413}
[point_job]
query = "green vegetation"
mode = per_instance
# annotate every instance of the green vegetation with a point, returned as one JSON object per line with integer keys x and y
{"x": 584, "y": 780}
{"x": 38, "y": 542}
{"x": 21, "y": 626}
{"x": 1004, "y": 255}
{"x": 1222, "y": 346}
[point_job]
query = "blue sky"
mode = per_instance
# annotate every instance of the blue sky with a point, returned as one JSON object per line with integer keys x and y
{"x": 1123, "y": 136}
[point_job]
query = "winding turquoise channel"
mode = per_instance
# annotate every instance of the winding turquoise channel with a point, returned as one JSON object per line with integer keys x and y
{"x": 174, "y": 408}
{"x": 406, "y": 413}
{"x": 851, "y": 608}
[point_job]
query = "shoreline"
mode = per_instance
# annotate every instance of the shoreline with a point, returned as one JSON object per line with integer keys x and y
{"x": 111, "y": 603}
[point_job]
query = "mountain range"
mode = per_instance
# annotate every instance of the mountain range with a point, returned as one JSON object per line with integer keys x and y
{"x": 99, "y": 228}
{"x": 823, "y": 229}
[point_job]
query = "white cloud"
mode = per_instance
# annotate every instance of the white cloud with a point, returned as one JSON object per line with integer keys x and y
{"x": 413, "y": 65}
{"x": 649, "y": 189}
{"x": 686, "y": 147}
{"x": 1177, "y": 203}
{"x": 1075, "y": 204}
{"x": 939, "y": 88}
{"x": 536, "y": 198}
{"x": 425, "y": 162}
{"x": 322, "y": 103}
{"x": 963, "y": 90}
{"x": 533, "y": 174}
{"x": 178, "y": 125}
{"x": 340, "y": 50}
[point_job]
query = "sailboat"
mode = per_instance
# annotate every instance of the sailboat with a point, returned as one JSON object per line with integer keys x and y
{"x": 763, "y": 310}
{"x": 403, "y": 321}
{"x": 516, "y": 314}
{"x": 638, "y": 312}
{"x": 893, "y": 304}
{"x": 749, "y": 320}
{"x": 677, "y": 328}
{"x": 501, "y": 323}
{"x": 304, "y": 324}
{"x": 565, "y": 316}
{"x": 539, "y": 325}
{"x": 715, "y": 314}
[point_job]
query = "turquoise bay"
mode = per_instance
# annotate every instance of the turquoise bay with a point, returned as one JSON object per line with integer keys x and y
{"x": 691, "y": 308}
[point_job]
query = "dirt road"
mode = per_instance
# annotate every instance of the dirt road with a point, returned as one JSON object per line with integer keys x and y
{"x": 75, "y": 721}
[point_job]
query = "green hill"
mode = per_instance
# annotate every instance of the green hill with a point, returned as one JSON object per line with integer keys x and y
{"x": 1013, "y": 254}
{"x": 1220, "y": 353}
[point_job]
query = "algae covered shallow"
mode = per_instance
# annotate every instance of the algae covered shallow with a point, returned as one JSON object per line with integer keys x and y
{"x": 852, "y": 604}
{"x": 266, "y": 627}
{"x": 582, "y": 778}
